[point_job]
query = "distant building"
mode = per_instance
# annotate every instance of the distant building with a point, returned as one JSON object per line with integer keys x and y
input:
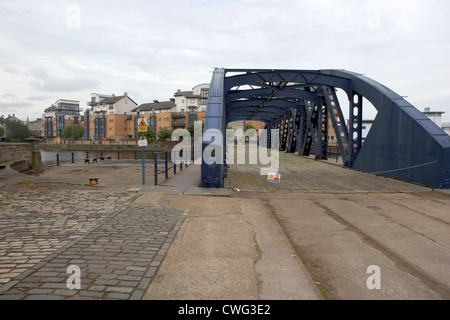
{"x": 160, "y": 114}
{"x": 61, "y": 114}
{"x": 435, "y": 116}
{"x": 3, "y": 125}
{"x": 35, "y": 128}
{"x": 12, "y": 118}
{"x": 365, "y": 128}
{"x": 109, "y": 117}
{"x": 241, "y": 124}
{"x": 179, "y": 112}
{"x": 446, "y": 127}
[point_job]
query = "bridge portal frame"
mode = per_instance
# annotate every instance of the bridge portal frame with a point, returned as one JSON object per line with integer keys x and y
{"x": 403, "y": 143}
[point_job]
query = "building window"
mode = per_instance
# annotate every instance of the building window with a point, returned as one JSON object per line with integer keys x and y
{"x": 204, "y": 96}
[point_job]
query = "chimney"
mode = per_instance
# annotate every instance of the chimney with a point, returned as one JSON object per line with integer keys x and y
{"x": 427, "y": 109}
{"x": 125, "y": 93}
{"x": 113, "y": 95}
{"x": 155, "y": 101}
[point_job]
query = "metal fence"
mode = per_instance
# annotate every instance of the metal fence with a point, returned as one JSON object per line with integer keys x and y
{"x": 168, "y": 158}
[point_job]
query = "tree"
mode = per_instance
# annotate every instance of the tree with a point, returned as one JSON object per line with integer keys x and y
{"x": 16, "y": 131}
{"x": 77, "y": 132}
{"x": 191, "y": 129}
{"x": 248, "y": 126}
{"x": 2, "y": 131}
{"x": 66, "y": 133}
{"x": 164, "y": 134}
{"x": 150, "y": 135}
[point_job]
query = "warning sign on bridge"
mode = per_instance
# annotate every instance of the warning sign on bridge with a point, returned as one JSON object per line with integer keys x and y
{"x": 274, "y": 177}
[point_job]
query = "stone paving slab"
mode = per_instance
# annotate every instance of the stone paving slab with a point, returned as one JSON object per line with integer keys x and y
{"x": 117, "y": 246}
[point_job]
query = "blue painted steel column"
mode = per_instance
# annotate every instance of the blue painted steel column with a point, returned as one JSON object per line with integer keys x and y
{"x": 215, "y": 123}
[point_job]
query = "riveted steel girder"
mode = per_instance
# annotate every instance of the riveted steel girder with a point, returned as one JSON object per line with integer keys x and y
{"x": 402, "y": 143}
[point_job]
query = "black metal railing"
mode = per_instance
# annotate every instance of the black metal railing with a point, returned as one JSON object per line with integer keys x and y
{"x": 166, "y": 169}
{"x": 178, "y": 115}
{"x": 184, "y": 163}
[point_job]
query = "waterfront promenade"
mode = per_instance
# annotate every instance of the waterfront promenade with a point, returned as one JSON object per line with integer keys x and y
{"x": 313, "y": 236}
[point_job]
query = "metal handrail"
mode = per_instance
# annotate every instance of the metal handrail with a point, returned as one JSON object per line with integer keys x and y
{"x": 166, "y": 165}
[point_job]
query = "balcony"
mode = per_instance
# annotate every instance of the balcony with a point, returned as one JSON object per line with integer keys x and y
{"x": 179, "y": 124}
{"x": 178, "y": 115}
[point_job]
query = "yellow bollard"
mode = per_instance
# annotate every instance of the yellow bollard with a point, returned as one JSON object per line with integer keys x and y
{"x": 93, "y": 180}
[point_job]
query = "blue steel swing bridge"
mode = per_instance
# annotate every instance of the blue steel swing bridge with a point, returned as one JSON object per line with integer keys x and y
{"x": 402, "y": 143}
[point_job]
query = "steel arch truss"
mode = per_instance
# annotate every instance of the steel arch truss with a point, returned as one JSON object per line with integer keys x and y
{"x": 403, "y": 143}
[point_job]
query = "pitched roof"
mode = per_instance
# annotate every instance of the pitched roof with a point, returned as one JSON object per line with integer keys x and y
{"x": 155, "y": 105}
{"x": 187, "y": 94}
{"x": 50, "y": 108}
{"x": 112, "y": 100}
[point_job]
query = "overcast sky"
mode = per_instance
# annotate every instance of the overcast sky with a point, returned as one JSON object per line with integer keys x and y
{"x": 54, "y": 50}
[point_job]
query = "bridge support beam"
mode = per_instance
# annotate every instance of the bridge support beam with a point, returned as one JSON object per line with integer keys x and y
{"x": 402, "y": 143}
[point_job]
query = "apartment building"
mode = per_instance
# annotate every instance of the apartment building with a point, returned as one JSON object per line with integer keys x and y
{"x": 435, "y": 116}
{"x": 61, "y": 114}
{"x": 179, "y": 112}
{"x": 446, "y": 127}
{"x": 109, "y": 117}
{"x": 241, "y": 124}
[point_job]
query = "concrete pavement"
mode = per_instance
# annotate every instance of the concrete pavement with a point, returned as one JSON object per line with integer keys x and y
{"x": 313, "y": 236}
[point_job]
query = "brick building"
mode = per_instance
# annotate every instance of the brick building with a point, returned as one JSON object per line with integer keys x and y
{"x": 109, "y": 117}
{"x": 61, "y": 114}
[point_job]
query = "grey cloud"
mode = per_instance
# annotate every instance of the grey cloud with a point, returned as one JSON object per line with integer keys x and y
{"x": 14, "y": 105}
{"x": 9, "y": 96}
{"x": 155, "y": 47}
{"x": 39, "y": 97}
{"x": 43, "y": 82}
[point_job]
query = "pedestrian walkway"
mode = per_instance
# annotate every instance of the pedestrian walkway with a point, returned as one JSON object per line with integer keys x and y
{"x": 188, "y": 177}
{"x": 187, "y": 182}
{"x": 312, "y": 236}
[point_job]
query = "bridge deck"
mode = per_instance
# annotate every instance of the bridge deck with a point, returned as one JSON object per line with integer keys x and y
{"x": 307, "y": 175}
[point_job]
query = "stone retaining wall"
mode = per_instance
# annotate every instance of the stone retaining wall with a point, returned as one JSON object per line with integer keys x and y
{"x": 15, "y": 152}
{"x": 103, "y": 147}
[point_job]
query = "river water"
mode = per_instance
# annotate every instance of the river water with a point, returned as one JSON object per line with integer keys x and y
{"x": 49, "y": 157}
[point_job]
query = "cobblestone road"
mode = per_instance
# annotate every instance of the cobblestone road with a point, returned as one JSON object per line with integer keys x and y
{"x": 118, "y": 246}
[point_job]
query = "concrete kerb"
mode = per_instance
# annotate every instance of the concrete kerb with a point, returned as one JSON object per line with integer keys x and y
{"x": 191, "y": 191}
